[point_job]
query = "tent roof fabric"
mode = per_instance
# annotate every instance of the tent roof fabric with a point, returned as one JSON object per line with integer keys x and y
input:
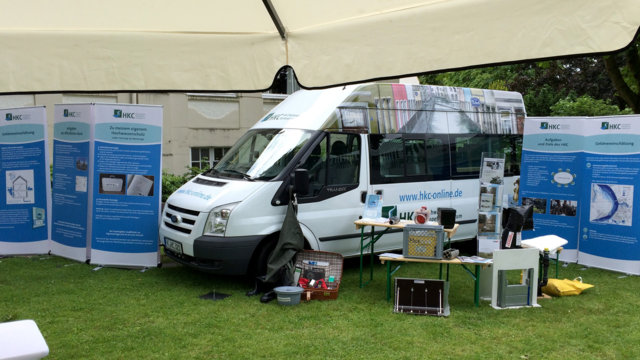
{"x": 205, "y": 45}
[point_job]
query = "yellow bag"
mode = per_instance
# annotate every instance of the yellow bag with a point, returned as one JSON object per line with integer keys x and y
{"x": 557, "y": 287}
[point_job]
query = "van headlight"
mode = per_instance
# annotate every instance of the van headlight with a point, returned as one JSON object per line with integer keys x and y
{"x": 217, "y": 220}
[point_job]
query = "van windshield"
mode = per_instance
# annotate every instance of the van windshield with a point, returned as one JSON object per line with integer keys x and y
{"x": 261, "y": 154}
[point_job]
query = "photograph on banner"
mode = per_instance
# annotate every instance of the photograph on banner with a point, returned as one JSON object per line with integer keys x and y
{"x": 539, "y": 204}
{"x": 563, "y": 207}
{"x": 24, "y": 179}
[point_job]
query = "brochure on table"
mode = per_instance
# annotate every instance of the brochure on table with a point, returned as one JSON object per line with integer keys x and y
{"x": 490, "y": 202}
{"x": 116, "y": 179}
{"x": 24, "y": 177}
{"x": 580, "y": 174}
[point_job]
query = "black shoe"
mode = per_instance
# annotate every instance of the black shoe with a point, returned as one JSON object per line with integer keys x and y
{"x": 268, "y": 296}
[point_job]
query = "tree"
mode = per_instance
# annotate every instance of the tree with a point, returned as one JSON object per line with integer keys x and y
{"x": 612, "y": 79}
{"x": 624, "y": 71}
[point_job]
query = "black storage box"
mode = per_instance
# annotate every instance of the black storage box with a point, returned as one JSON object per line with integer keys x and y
{"x": 447, "y": 217}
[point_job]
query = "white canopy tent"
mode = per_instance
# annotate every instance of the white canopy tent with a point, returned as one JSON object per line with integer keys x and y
{"x": 214, "y": 45}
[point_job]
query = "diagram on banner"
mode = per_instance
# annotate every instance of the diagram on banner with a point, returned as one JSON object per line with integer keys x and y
{"x": 20, "y": 187}
{"x": 611, "y": 204}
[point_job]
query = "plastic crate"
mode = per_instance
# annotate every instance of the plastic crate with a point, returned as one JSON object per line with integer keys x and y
{"x": 328, "y": 266}
{"x": 423, "y": 241}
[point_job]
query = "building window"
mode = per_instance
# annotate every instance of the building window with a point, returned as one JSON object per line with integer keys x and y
{"x": 205, "y": 157}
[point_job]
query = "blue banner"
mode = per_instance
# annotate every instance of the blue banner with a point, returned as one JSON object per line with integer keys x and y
{"x": 70, "y": 187}
{"x": 550, "y": 179}
{"x": 24, "y": 180}
{"x": 127, "y": 185}
{"x": 609, "y": 232}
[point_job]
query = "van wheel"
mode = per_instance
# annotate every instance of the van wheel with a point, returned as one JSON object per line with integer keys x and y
{"x": 259, "y": 266}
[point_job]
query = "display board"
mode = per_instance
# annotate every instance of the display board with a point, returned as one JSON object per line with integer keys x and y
{"x": 580, "y": 175}
{"x": 107, "y": 178}
{"x": 609, "y": 231}
{"x": 550, "y": 180}
{"x": 25, "y": 206}
{"x": 127, "y": 185}
{"x": 70, "y": 188}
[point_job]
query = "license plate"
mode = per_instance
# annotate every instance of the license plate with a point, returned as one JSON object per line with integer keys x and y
{"x": 173, "y": 245}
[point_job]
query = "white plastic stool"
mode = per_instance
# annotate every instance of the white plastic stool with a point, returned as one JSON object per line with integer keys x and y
{"x": 515, "y": 259}
{"x": 22, "y": 340}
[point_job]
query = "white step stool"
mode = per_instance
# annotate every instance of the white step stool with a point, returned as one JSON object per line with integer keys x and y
{"x": 21, "y": 340}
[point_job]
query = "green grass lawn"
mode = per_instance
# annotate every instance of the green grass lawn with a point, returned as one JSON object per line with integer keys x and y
{"x": 157, "y": 314}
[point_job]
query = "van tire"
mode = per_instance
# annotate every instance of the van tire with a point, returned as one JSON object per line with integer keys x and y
{"x": 258, "y": 266}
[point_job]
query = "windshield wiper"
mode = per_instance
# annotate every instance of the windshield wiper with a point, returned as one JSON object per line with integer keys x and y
{"x": 244, "y": 175}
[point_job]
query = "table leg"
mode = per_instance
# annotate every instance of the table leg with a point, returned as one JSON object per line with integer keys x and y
{"x": 371, "y": 256}
{"x": 388, "y": 281}
{"x": 476, "y": 290}
{"x": 361, "y": 252}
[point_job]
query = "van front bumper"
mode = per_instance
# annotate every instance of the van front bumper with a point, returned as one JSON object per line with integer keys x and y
{"x": 219, "y": 255}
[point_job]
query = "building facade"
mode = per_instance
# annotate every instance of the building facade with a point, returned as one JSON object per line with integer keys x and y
{"x": 197, "y": 128}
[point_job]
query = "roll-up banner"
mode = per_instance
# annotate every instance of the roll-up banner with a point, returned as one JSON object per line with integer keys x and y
{"x": 126, "y": 185}
{"x": 70, "y": 189}
{"x": 550, "y": 178}
{"x": 580, "y": 176}
{"x": 25, "y": 208}
{"x": 107, "y": 206}
{"x": 609, "y": 221}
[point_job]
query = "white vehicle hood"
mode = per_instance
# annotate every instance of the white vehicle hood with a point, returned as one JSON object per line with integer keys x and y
{"x": 203, "y": 197}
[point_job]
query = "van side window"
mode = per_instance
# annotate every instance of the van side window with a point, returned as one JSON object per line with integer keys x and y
{"x": 334, "y": 161}
{"x": 407, "y": 158}
{"x": 438, "y": 167}
{"x": 316, "y": 165}
{"x": 468, "y": 149}
{"x": 344, "y": 159}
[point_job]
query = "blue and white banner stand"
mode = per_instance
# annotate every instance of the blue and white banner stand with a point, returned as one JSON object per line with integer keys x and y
{"x": 610, "y": 221}
{"x": 70, "y": 196}
{"x": 24, "y": 179}
{"x": 126, "y": 187}
{"x": 550, "y": 178}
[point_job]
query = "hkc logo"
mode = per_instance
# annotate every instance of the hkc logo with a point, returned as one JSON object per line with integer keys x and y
{"x": 546, "y": 126}
{"x": 123, "y": 115}
{"x": 12, "y": 117}
{"x": 67, "y": 113}
{"x": 609, "y": 126}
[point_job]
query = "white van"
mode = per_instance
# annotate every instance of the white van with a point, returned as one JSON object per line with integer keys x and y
{"x": 415, "y": 145}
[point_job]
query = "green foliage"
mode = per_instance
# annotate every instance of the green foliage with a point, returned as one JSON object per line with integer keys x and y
{"x": 585, "y": 105}
{"x": 542, "y": 84}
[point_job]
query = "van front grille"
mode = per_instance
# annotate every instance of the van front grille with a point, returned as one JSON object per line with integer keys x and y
{"x": 180, "y": 219}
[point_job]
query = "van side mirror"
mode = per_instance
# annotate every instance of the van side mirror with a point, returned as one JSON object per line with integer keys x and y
{"x": 301, "y": 182}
